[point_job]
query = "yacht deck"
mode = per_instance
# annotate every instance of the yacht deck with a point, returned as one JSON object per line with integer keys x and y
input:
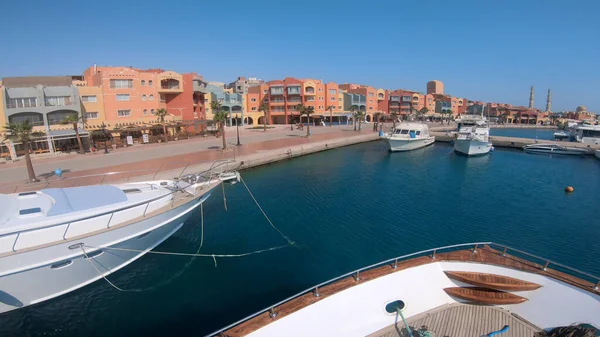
{"x": 462, "y": 320}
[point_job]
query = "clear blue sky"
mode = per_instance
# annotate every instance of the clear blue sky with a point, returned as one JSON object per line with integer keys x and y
{"x": 484, "y": 50}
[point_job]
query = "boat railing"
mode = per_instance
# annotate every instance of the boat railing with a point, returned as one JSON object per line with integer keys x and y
{"x": 210, "y": 176}
{"x": 72, "y": 179}
{"x": 393, "y": 262}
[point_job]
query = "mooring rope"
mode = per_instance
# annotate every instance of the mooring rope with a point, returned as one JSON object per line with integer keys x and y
{"x": 290, "y": 242}
{"x": 194, "y": 255}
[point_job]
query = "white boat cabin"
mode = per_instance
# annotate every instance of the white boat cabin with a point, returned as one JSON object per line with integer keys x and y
{"x": 410, "y": 130}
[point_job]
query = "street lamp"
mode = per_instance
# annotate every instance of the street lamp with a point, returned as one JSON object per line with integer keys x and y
{"x": 103, "y": 126}
{"x": 237, "y": 126}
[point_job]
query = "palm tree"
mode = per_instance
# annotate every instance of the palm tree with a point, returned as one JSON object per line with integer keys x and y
{"x": 517, "y": 117}
{"x": 160, "y": 116}
{"x": 376, "y": 118}
{"x": 264, "y": 107}
{"x": 74, "y": 119}
{"x": 394, "y": 115}
{"x": 424, "y": 110}
{"x": 220, "y": 116}
{"x": 353, "y": 110}
{"x": 359, "y": 115}
{"x": 23, "y": 133}
{"x": 330, "y": 108}
{"x": 306, "y": 111}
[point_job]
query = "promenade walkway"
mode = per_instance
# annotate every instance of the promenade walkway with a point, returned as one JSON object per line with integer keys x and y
{"x": 167, "y": 159}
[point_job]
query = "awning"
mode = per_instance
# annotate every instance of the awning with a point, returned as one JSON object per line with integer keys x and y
{"x": 58, "y": 91}
{"x": 21, "y": 92}
{"x": 67, "y": 134}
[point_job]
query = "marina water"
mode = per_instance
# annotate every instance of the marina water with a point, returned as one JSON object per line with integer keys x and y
{"x": 344, "y": 209}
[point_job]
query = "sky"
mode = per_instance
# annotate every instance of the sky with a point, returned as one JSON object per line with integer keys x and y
{"x": 482, "y": 50}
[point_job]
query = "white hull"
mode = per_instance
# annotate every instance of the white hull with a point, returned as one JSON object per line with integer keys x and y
{"x": 28, "y": 278}
{"x": 472, "y": 147}
{"x": 597, "y": 154}
{"x": 408, "y": 144}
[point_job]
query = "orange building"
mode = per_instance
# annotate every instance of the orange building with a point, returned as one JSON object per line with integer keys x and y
{"x": 282, "y": 97}
{"x": 131, "y": 96}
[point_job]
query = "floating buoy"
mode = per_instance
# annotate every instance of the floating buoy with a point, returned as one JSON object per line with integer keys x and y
{"x": 569, "y": 189}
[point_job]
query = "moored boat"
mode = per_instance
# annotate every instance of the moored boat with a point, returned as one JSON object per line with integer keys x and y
{"x": 413, "y": 292}
{"x": 409, "y": 136}
{"x": 554, "y": 149}
{"x": 57, "y": 240}
{"x": 561, "y": 135}
{"x": 597, "y": 154}
{"x": 473, "y": 136}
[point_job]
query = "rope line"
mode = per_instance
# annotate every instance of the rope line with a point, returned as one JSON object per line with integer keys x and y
{"x": 290, "y": 242}
{"x": 190, "y": 254}
{"x": 99, "y": 272}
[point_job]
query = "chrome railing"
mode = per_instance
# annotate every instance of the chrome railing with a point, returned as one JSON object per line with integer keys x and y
{"x": 207, "y": 176}
{"x": 393, "y": 262}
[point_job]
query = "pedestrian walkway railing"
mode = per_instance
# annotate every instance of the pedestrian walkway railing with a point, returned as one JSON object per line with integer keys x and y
{"x": 505, "y": 250}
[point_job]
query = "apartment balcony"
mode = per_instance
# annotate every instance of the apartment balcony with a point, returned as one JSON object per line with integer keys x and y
{"x": 394, "y": 98}
{"x": 276, "y": 90}
{"x": 296, "y": 90}
{"x": 170, "y": 86}
{"x": 277, "y": 103}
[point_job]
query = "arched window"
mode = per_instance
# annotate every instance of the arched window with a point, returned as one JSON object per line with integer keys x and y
{"x": 151, "y": 97}
{"x": 143, "y": 82}
{"x": 145, "y": 112}
{"x": 143, "y": 97}
{"x": 150, "y": 83}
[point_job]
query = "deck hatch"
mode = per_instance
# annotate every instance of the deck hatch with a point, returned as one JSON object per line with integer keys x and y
{"x": 132, "y": 190}
{"x": 29, "y": 211}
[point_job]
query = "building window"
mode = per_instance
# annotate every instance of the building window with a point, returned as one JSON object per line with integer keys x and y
{"x": 339, "y": 99}
{"x": 150, "y": 83}
{"x": 58, "y": 101}
{"x": 321, "y": 99}
{"x": 332, "y": 99}
{"x": 143, "y": 97}
{"x": 91, "y": 115}
{"x": 339, "y": 107}
{"x": 121, "y": 84}
{"x": 143, "y": 83}
{"x": 332, "y": 92}
{"x": 152, "y": 111}
{"x": 89, "y": 99}
{"x": 28, "y": 102}
{"x": 371, "y": 108}
{"x": 151, "y": 97}
{"x": 371, "y": 94}
{"x": 122, "y": 97}
{"x": 145, "y": 112}
{"x": 253, "y": 108}
{"x": 253, "y": 100}
{"x": 123, "y": 113}
{"x": 320, "y": 89}
{"x": 161, "y": 97}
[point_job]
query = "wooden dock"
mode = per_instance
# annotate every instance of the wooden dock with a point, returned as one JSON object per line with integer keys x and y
{"x": 517, "y": 143}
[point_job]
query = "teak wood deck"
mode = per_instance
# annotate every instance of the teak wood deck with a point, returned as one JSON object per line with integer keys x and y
{"x": 478, "y": 295}
{"x": 498, "y": 282}
{"x": 483, "y": 254}
{"x": 462, "y": 320}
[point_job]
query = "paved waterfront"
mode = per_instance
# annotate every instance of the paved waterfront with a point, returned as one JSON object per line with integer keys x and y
{"x": 174, "y": 155}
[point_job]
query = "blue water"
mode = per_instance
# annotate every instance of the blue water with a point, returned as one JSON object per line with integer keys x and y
{"x": 345, "y": 209}
{"x": 542, "y": 134}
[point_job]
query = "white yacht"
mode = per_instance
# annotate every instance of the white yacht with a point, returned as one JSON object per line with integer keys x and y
{"x": 473, "y": 136}
{"x": 409, "y": 136}
{"x": 597, "y": 154}
{"x": 55, "y": 240}
{"x": 554, "y": 149}
{"x": 466, "y": 290}
{"x": 586, "y": 133}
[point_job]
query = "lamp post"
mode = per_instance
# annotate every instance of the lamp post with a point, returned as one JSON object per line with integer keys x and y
{"x": 105, "y": 138}
{"x": 237, "y": 126}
